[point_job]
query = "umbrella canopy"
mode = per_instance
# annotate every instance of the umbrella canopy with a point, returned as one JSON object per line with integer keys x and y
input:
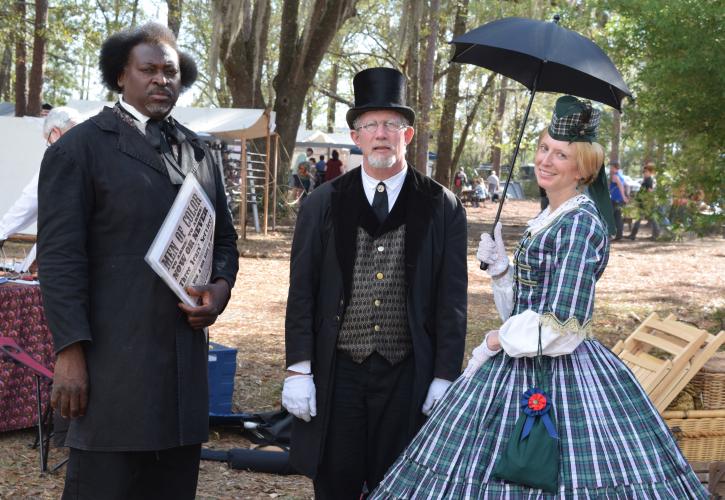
{"x": 544, "y": 57}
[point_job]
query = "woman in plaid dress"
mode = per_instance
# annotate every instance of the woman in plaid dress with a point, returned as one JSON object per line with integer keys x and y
{"x": 612, "y": 441}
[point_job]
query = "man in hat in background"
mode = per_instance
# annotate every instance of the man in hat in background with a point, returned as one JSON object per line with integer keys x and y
{"x": 131, "y": 367}
{"x": 375, "y": 334}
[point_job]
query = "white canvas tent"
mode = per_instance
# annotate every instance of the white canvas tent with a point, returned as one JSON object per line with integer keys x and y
{"x": 23, "y": 145}
{"x": 230, "y": 124}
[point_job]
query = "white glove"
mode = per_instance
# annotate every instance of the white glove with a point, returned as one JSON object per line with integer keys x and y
{"x": 298, "y": 396}
{"x": 436, "y": 391}
{"x": 492, "y": 252}
{"x": 479, "y": 356}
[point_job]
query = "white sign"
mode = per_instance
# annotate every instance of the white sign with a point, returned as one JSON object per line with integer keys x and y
{"x": 183, "y": 250}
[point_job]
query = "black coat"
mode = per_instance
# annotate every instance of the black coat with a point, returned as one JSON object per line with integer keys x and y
{"x": 103, "y": 194}
{"x": 321, "y": 269}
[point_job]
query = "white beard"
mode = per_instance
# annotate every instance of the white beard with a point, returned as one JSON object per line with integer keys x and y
{"x": 383, "y": 161}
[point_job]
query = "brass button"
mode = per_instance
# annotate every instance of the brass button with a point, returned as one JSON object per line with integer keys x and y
{"x": 342, "y": 302}
{"x": 376, "y": 328}
{"x": 381, "y": 248}
{"x": 337, "y": 318}
{"x": 379, "y": 276}
{"x": 377, "y": 302}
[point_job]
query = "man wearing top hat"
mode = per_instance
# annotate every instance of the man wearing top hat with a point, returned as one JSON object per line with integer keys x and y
{"x": 374, "y": 335}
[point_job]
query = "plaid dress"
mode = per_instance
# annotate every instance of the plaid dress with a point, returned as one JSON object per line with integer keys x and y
{"x": 613, "y": 443}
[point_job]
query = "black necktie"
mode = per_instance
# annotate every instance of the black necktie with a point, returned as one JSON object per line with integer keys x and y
{"x": 162, "y": 134}
{"x": 380, "y": 202}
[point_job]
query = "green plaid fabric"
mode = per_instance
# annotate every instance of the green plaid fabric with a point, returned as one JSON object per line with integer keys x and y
{"x": 557, "y": 267}
{"x": 574, "y": 121}
{"x": 613, "y": 442}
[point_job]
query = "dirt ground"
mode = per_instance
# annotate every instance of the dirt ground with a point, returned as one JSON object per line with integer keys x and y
{"x": 685, "y": 278}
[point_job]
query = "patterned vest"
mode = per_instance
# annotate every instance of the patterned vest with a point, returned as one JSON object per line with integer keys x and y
{"x": 376, "y": 317}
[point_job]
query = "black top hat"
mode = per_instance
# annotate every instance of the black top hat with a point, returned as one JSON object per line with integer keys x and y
{"x": 379, "y": 88}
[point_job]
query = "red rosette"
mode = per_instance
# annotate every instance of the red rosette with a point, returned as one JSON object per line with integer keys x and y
{"x": 537, "y": 401}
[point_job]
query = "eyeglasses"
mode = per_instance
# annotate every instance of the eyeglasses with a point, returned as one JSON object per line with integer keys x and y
{"x": 389, "y": 126}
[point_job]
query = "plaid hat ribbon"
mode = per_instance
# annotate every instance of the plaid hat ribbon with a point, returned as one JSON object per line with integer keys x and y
{"x": 574, "y": 120}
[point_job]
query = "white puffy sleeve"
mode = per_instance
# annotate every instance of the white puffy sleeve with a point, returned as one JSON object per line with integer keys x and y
{"x": 519, "y": 337}
{"x": 503, "y": 293}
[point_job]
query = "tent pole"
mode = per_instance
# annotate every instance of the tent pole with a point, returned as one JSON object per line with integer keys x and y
{"x": 266, "y": 177}
{"x": 275, "y": 158}
{"x": 243, "y": 184}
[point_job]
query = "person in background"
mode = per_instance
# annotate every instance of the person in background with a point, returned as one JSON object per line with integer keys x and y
{"x": 479, "y": 193}
{"x": 45, "y": 109}
{"x": 460, "y": 180}
{"x": 646, "y": 203}
{"x": 334, "y": 166}
{"x": 24, "y": 211}
{"x": 493, "y": 185}
{"x": 619, "y": 197}
{"x": 376, "y": 312}
{"x": 320, "y": 168}
{"x": 131, "y": 365}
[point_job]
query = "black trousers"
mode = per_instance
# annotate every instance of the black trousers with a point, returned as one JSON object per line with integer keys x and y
{"x": 618, "y": 221}
{"x": 369, "y": 425}
{"x": 163, "y": 474}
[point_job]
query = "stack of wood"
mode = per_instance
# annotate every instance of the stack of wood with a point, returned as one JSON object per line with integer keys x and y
{"x": 684, "y": 375}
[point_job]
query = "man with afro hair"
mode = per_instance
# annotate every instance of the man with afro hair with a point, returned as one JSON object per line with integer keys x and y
{"x": 131, "y": 367}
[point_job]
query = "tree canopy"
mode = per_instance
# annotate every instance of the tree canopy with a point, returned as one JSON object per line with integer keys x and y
{"x": 298, "y": 58}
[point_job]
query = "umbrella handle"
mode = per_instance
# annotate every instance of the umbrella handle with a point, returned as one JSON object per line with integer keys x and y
{"x": 484, "y": 266}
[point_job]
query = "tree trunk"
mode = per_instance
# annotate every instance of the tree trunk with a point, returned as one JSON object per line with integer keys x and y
{"x": 134, "y": 13}
{"x": 649, "y": 150}
{"x": 20, "y": 63}
{"x": 309, "y": 114}
{"x": 410, "y": 43}
{"x": 498, "y": 128}
{"x": 616, "y": 135}
{"x": 300, "y": 55}
{"x": 243, "y": 28}
{"x": 332, "y": 102}
{"x": 426, "y": 92}
{"x": 443, "y": 171}
{"x": 174, "y": 17}
{"x": 469, "y": 120}
{"x": 35, "y": 87}
{"x": 5, "y": 72}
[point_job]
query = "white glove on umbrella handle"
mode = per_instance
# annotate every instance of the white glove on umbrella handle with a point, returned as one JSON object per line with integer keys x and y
{"x": 492, "y": 253}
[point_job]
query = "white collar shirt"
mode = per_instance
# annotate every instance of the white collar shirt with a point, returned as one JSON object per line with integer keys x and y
{"x": 141, "y": 118}
{"x": 393, "y": 185}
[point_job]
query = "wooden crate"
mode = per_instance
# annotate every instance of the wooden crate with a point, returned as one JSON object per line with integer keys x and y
{"x": 665, "y": 354}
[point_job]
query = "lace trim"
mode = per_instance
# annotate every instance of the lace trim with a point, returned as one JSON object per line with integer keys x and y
{"x": 547, "y": 218}
{"x": 569, "y": 326}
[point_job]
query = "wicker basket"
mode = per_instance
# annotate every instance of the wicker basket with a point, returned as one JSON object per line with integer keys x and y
{"x": 699, "y": 433}
{"x": 709, "y": 384}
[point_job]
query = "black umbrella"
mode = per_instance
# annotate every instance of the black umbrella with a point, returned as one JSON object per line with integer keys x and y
{"x": 544, "y": 57}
